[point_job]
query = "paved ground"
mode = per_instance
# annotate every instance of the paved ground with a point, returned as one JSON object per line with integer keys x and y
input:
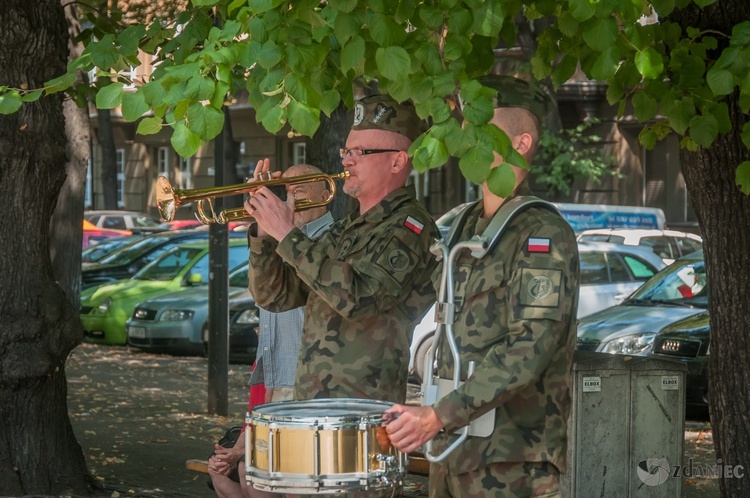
{"x": 139, "y": 417}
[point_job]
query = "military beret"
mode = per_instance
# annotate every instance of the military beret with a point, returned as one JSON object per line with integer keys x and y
{"x": 381, "y": 112}
{"x": 514, "y": 92}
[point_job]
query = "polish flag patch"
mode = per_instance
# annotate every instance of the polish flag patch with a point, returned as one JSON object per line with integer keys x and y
{"x": 413, "y": 225}
{"x": 538, "y": 245}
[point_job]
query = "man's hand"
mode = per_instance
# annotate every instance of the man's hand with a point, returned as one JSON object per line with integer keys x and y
{"x": 274, "y": 216}
{"x": 409, "y": 427}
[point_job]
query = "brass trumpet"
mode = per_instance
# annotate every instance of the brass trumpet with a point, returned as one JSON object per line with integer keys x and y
{"x": 168, "y": 199}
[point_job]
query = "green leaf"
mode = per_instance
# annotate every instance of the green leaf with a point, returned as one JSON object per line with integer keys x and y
{"x": 432, "y": 16}
{"x": 133, "y": 105}
{"x": 647, "y": 137}
{"x": 600, "y": 33}
{"x": 564, "y": 70}
{"x": 275, "y": 119}
{"x": 649, "y": 63}
{"x": 352, "y": 54}
{"x": 430, "y": 153}
{"x": 32, "y": 96}
{"x": 10, "y": 102}
{"x": 184, "y": 141}
{"x": 200, "y": 88}
{"x": 150, "y": 126}
{"x": 502, "y": 180}
{"x": 645, "y": 106}
{"x": 663, "y": 7}
{"x": 110, "y": 96}
{"x": 475, "y": 164}
{"x": 303, "y": 119}
{"x": 343, "y": 5}
{"x": 61, "y": 83}
{"x": 330, "y": 101}
{"x": 606, "y": 64}
{"x": 205, "y": 121}
{"x": 385, "y": 31}
{"x": 741, "y": 34}
{"x": 393, "y": 62}
{"x": 720, "y": 81}
{"x": 679, "y": 113}
{"x": 488, "y": 18}
{"x": 704, "y": 129}
{"x": 567, "y": 24}
{"x": 581, "y": 9}
{"x": 104, "y": 54}
{"x": 746, "y": 134}
{"x": 270, "y": 55}
{"x": 742, "y": 177}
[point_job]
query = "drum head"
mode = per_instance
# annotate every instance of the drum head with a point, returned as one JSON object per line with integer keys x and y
{"x": 322, "y": 411}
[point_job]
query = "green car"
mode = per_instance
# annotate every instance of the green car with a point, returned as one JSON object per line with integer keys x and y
{"x": 106, "y": 308}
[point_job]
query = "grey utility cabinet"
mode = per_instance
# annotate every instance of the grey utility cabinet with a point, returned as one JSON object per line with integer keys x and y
{"x": 626, "y": 410}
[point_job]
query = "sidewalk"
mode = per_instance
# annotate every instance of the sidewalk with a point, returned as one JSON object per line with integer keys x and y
{"x": 139, "y": 417}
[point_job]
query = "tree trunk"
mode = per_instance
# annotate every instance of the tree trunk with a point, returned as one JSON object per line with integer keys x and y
{"x": 105, "y": 134}
{"x": 724, "y": 216}
{"x": 38, "y": 325}
{"x": 65, "y": 227}
{"x": 324, "y": 153}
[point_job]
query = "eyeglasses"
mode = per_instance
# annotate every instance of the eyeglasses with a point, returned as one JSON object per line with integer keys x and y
{"x": 363, "y": 152}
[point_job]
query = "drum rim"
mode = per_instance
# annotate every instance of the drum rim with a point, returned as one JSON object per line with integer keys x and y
{"x": 260, "y": 412}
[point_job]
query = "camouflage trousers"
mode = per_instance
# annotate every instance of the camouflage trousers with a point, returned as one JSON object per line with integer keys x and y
{"x": 497, "y": 480}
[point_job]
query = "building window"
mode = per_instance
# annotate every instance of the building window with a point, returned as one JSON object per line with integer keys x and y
{"x": 299, "y": 153}
{"x": 162, "y": 161}
{"x": 120, "y": 178}
{"x": 186, "y": 173}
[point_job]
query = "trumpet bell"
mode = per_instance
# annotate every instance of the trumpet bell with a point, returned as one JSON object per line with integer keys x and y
{"x": 166, "y": 202}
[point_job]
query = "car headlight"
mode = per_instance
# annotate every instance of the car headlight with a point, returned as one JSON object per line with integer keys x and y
{"x": 248, "y": 317}
{"x": 104, "y": 306}
{"x": 630, "y": 344}
{"x": 176, "y": 315}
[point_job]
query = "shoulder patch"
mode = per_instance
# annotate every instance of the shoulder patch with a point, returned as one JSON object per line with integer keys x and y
{"x": 538, "y": 244}
{"x": 413, "y": 225}
{"x": 540, "y": 287}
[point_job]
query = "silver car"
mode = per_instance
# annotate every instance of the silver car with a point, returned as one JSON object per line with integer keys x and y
{"x": 177, "y": 322}
{"x": 675, "y": 293}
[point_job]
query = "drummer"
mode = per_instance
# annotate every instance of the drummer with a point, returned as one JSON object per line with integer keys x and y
{"x": 367, "y": 281}
{"x": 517, "y": 322}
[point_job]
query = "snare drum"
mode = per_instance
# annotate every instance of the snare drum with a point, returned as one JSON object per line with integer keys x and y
{"x": 321, "y": 446}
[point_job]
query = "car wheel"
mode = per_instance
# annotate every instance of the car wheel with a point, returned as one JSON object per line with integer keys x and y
{"x": 419, "y": 357}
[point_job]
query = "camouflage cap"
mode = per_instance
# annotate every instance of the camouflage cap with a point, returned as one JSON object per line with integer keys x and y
{"x": 515, "y": 92}
{"x": 381, "y": 112}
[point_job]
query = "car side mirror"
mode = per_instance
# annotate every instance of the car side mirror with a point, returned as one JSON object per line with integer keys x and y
{"x": 194, "y": 278}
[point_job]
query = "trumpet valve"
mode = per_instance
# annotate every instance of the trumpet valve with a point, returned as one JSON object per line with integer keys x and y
{"x": 165, "y": 199}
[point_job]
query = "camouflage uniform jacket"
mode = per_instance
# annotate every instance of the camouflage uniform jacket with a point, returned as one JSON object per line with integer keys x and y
{"x": 366, "y": 283}
{"x": 516, "y": 320}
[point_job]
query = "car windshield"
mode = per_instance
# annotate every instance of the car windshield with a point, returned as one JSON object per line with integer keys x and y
{"x": 131, "y": 253}
{"x": 145, "y": 222}
{"x": 683, "y": 283}
{"x": 169, "y": 264}
{"x": 97, "y": 252}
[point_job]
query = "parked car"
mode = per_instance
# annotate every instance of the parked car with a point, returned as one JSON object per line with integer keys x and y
{"x": 125, "y": 220}
{"x": 99, "y": 251}
{"x": 106, "y": 308}
{"x": 675, "y": 293}
{"x": 687, "y": 340}
{"x": 667, "y": 244}
{"x": 126, "y": 262}
{"x": 93, "y": 235}
{"x": 178, "y": 322}
{"x": 609, "y": 274}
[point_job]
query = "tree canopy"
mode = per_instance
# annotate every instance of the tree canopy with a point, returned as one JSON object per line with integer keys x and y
{"x": 299, "y": 59}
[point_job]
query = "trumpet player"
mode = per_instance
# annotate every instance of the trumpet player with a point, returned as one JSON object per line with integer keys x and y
{"x": 367, "y": 281}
